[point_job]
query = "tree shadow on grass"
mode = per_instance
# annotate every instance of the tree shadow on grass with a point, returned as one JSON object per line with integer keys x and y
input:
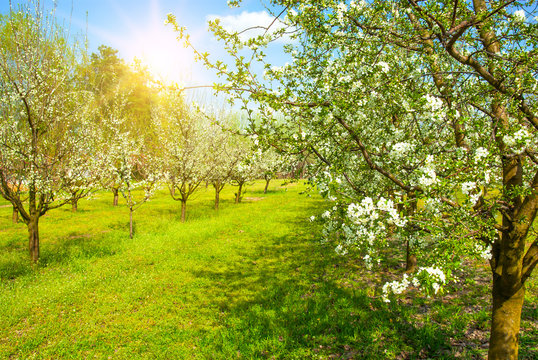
{"x": 14, "y": 267}
{"x": 286, "y": 300}
{"x": 77, "y": 246}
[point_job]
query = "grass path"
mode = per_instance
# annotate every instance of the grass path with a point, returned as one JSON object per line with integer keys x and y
{"x": 251, "y": 281}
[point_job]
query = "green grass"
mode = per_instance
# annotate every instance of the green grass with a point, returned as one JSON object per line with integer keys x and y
{"x": 249, "y": 281}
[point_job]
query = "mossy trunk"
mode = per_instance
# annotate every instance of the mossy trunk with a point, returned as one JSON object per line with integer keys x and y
{"x": 74, "y": 205}
{"x": 183, "y": 210}
{"x": 15, "y": 215}
{"x": 505, "y": 321}
{"x": 33, "y": 238}
{"x": 508, "y": 256}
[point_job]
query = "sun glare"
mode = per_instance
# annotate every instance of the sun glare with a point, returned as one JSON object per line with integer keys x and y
{"x": 165, "y": 57}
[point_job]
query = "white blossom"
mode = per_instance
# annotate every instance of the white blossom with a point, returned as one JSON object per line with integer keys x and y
{"x": 519, "y": 16}
{"x": 481, "y": 153}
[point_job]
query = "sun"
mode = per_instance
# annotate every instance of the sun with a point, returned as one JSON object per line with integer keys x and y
{"x": 164, "y": 56}
{"x": 156, "y": 46}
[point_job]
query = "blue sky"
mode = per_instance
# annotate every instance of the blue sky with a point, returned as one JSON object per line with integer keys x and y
{"x": 136, "y": 28}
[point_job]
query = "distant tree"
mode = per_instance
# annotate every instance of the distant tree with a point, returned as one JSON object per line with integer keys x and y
{"x": 184, "y": 140}
{"x": 223, "y": 155}
{"x": 126, "y": 164}
{"x": 269, "y": 164}
{"x": 114, "y": 82}
{"x": 245, "y": 167}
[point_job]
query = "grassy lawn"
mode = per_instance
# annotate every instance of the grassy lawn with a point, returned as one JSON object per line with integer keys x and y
{"x": 249, "y": 281}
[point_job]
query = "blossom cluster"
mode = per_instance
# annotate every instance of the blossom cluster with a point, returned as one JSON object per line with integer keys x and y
{"x": 429, "y": 279}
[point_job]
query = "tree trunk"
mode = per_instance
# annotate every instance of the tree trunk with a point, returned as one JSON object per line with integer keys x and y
{"x": 183, "y": 210}
{"x": 33, "y": 238}
{"x": 74, "y": 205}
{"x": 238, "y": 195}
{"x": 15, "y": 216}
{"x": 131, "y": 230}
{"x": 217, "y": 198}
{"x": 116, "y": 196}
{"x": 505, "y": 321}
{"x": 410, "y": 260}
{"x": 266, "y": 184}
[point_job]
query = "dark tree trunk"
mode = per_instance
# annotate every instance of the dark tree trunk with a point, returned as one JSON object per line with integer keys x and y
{"x": 183, "y": 210}
{"x": 116, "y": 196}
{"x": 15, "y": 216}
{"x": 74, "y": 205}
{"x": 33, "y": 238}
{"x": 267, "y": 180}
{"x": 410, "y": 260}
{"x": 238, "y": 195}
{"x": 131, "y": 229}
{"x": 217, "y": 198}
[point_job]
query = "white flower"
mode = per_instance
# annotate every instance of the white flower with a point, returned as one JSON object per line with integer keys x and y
{"x": 326, "y": 214}
{"x": 340, "y": 250}
{"x": 312, "y": 218}
{"x": 519, "y": 16}
{"x": 484, "y": 252}
{"x": 429, "y": 177}
{"x": 467, "y": 187}
{"x": 481, "y": 153}
{"x": 357, "y": 5}
{"x": 433, "y": 205}
{"x": 367, "y": 261}
{"x": 401, "y": 149}
{"x": 341, "y": 9}
{"x": 475, "y": 197}
{"x": 434, "y": 103}
{"x": 384, "y": 66}
{"x": 487, "y": 176}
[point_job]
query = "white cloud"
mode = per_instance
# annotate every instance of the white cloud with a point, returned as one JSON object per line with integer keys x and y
{"x": 256, "y": 22}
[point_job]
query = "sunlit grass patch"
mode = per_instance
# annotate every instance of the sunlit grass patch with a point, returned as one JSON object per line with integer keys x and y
{"x": 249, "y": 281}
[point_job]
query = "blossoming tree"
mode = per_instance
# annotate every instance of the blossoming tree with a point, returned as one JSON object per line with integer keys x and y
{"x": 184, "y": 138}
{"x": 436, "y": 102}
{"x": 44, "y": 117}
{"x": 125, "y": 162}
{"x": 222, "y": 157}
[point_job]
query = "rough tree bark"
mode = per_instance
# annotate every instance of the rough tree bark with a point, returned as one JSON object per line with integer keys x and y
{"x": 131, "y": 230}
{"x": 183, "y": 210}
{"x": 33, "y": 237}
{"x": 15, "y": 216}
{"x": 267, "y": 180}
{"x": 115, "y": 191}
{"x": 238, "y": 195}
{"x": 410, "y": 258}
